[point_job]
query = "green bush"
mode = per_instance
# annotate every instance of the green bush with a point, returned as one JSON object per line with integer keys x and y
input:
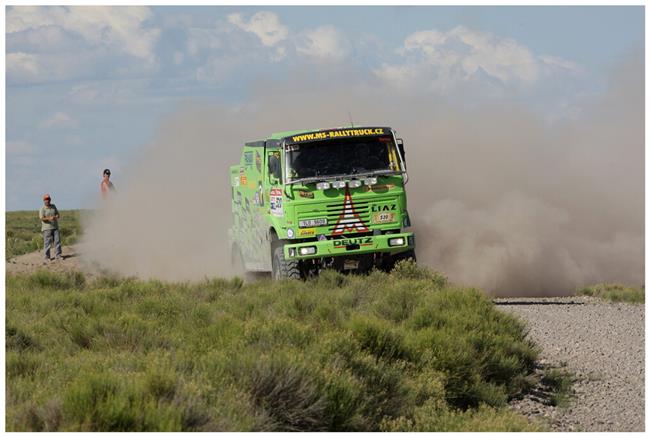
{"x": 403, "y": 351}
{"x": 46, "y": 279}
{"x": 614, "y": 293}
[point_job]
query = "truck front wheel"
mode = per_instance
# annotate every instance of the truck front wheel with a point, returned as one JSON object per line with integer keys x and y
{"x": 283, "y": 268}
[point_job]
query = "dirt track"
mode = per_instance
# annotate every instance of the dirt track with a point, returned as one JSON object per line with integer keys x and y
{"x": 602, "y": 344}
{"x": 31, "y": 262}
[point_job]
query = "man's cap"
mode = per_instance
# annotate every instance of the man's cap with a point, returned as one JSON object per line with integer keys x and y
{"x": 46, "y": 196}
{"x": 107, "y": 171}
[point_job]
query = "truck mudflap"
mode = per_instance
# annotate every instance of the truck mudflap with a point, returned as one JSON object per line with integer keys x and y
{"x": 392, "y": 243}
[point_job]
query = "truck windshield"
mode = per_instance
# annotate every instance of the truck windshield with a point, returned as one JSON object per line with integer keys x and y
{"x": 341, "y": 157}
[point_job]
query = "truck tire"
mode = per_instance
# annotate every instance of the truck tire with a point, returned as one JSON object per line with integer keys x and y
{"x": 282, "y": 268}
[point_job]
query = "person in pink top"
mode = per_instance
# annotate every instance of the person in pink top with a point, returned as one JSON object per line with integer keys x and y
{"x": 106, "y": 186}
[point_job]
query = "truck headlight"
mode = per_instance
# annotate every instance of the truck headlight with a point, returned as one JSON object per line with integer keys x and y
{"x": 399, "y": 241}
{"x": 338, "y": 184}
{"x": 309, "y": 250}
{"x": 354, "y": 184}
{"x": 323, "y": 185}
{"x": 370, "y": 181}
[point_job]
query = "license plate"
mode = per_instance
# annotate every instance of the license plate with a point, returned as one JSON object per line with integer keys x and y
{"x": 350, "y": 264}
{"x": 312, "y": 223}
{"x": 383, "y": 217}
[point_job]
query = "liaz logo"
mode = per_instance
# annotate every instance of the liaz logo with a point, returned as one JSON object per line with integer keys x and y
{"x": 380, "y": 208}
{"x": 360, "y": 241}
{"x": 349, "y": 220}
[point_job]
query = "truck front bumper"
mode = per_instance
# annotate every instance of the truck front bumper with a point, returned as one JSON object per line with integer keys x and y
{"x": 392, "y": 243}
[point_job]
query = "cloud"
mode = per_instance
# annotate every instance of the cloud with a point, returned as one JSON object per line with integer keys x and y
{"x": 555, "y": 61}
{"x": 216, "y": 53}
{"x": 324, "y": 43}
{"x": 462, "y": 55}
{"x": 42, "y": 40}
{"x": 58, "y": 120}
{"x": 23, "y": 65}
{"x": 265, "y": 25}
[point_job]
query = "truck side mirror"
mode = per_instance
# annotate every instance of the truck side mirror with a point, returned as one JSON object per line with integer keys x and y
{"x": 274, "y": 167}
{"x": 400, "y": 146}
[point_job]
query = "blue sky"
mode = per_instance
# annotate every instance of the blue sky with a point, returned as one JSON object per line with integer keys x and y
{"x": 87, "y": 86}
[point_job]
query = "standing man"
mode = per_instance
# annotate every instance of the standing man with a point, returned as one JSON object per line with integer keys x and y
{"x": 106, "y": 186}
{"x": 49, "y": 216}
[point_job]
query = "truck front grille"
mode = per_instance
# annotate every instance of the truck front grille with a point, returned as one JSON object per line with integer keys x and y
{"x": 342, "y": 219}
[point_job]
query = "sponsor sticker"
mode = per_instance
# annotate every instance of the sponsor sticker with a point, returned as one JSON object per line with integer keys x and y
{"x": 337, "y": 133}
{"x": 306, "y": 194}
{"x": 275, "y": 200}
{"x": 306, "y": 232}
{"x": 243, "y": 180}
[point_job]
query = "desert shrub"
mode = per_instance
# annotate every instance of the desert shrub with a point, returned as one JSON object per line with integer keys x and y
{"x": 385, "y": 393}
{"x": 16, "y": 339}
{"x": 330, "y": 279}
{"x": 45, "y": 279}
{"x": 22, "y": 364}
{"x": 290, "y": 397}
{"x": 377, "y": 337}
{"x": 559, "y": 382}
{"x": 614, "y": 293}
{"x": 438, "y": 417}
{"x": 337, "y": 353}
{"x": 409, "y": 269}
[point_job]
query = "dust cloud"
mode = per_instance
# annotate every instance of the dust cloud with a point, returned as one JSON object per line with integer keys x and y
{"x": 500, "y": 197}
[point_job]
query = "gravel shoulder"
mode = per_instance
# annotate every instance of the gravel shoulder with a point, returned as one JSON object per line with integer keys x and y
{"x": 602, "y": 345}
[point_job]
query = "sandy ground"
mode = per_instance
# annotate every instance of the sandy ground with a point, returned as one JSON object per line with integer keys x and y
{"x": 29, "y": 263}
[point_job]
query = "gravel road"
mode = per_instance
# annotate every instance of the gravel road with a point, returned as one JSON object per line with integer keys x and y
{"x": 602, "y": 344}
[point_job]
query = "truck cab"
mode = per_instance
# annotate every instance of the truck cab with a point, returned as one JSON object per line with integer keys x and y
{"x": 307, "y": 200}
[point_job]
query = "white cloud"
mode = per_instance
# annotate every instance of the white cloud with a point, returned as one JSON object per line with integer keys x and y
{"x": 555, "y": 61}
{"x": 459, "y": 55}
{"x": 58, "y": 120}
{"x": 266, "y": 25}
{"x": 42, "y": 39}
{"x": 22, "y": 65}
{"x": 325, "y": 43}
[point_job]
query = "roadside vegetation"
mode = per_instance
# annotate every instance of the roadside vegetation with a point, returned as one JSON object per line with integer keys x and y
{"x": 404, "y": 351}
{"x": 558, "y": 382}
{"x": 614, "y": 293}
{"x": 23, "y": 231}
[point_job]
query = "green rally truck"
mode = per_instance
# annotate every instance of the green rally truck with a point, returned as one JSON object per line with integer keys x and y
{"x": 307, "y": 200}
